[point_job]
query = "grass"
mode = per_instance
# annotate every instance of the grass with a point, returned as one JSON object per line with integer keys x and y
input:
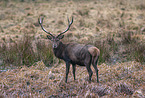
{"x": 119, "y": 80}
{"x": 111, "y": 31}
{"x": 116, "y": 28}
{"x": 26, "y": 52}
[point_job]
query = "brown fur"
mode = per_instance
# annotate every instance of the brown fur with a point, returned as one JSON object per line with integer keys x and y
{"x": 94, "y": 51}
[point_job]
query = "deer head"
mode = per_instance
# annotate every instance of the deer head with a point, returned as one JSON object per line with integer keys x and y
{"x": 55, "y": 39}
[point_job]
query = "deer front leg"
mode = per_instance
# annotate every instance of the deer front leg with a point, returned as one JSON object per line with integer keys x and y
{"x": 74, "y": 69}
{"x": 67, "y": 70}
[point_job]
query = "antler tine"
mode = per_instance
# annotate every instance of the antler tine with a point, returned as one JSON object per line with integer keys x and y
{"x": 68, "y": 19}
{"x": 40, "y": 20}
{"x": 69, "y": 24}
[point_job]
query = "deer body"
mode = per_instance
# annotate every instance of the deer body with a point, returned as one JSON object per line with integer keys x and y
{"x": 74, "y": 53}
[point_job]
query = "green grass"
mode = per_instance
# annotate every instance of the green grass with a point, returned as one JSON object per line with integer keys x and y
{"x": 21, "y": 52}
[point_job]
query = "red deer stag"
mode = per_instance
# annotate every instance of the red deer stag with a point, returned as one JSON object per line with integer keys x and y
{"x": 73, "y": 53}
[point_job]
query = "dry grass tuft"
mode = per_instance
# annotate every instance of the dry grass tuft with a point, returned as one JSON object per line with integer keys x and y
{"x": 124, "y": 88}
{"x": 110, "y": 27}
{"x": 101, "y": 91}
{"x": 40, "y": 81}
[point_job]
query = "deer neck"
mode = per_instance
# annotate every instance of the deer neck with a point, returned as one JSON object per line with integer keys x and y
{"x": 59, "y": 50}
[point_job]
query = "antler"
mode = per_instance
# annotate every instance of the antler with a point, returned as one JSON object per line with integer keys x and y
{"x": 69, "y": 24}
{"x": 40, "y": 20}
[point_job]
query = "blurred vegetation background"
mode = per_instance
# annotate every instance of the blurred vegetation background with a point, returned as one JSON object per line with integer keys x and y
{"x": 116, "y": 28}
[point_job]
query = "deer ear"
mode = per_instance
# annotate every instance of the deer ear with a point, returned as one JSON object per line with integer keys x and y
{"x": 61, "y": 37}
{"x": 49, "y": 37}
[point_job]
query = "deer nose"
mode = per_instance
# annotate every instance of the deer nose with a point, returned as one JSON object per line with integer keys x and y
{"x": 54, "y": 46}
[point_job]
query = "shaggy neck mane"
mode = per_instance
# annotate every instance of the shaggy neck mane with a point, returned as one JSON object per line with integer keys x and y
{"x": 59, "y": 50}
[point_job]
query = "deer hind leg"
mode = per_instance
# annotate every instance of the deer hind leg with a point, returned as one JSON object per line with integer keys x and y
{"x": 87, "y": 63}
{"x": 74, "y": 69}
{"x": 89, "y": 71}
{"x": 94, "y": 63}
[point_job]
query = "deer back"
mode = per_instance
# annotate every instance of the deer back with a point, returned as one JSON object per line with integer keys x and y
{"x": 77, "y": 53}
